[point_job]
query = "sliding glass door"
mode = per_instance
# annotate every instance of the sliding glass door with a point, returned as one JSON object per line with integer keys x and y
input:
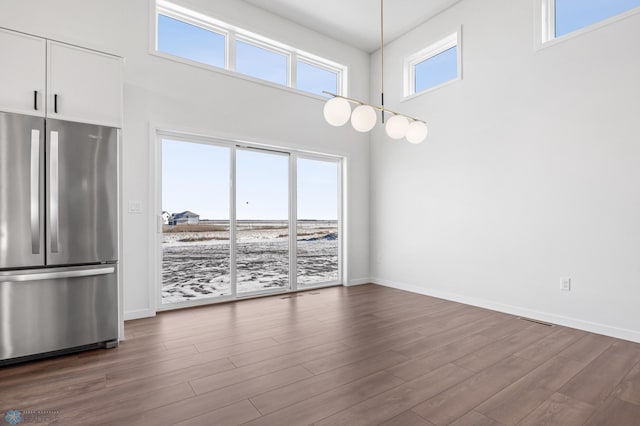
{"x": 241, "y": 221}
{"x": 195, "y": 221}
{"x": 262, "y": 221}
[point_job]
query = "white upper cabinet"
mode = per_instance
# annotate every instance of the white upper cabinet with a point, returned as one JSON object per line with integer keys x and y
{"x": 45, "y": 78}
{"x": 84, "y": 85}
{"x": 22, "y": 73}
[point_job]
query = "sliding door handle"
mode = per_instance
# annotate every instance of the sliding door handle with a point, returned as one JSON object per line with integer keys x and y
{"x": 35, "y": 191}
{"x": 54, "y": 193}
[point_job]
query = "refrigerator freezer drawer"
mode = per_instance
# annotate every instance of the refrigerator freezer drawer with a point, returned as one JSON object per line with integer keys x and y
{"x": 56, "y": 309}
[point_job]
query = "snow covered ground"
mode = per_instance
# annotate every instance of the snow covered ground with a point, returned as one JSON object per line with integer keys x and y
{"x": 196, "y": 263}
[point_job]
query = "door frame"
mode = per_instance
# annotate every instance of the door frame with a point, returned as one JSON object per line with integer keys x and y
{"x": 155, "y": 259}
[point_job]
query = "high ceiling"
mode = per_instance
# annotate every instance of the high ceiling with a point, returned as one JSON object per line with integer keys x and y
{"x": 356, "y": 22}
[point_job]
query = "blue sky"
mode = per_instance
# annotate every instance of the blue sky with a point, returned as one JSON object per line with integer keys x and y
{"x": 188, "y": 41}
{"x": 437, "y": 69}
{"x": 575, "y": 14}
{"x": 196, "y": 177}
{"x": 262, "y": 186}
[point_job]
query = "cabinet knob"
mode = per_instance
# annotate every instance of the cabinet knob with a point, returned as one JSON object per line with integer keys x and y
{"x": 35, "y": 100}
{"x": 55, "y": 103}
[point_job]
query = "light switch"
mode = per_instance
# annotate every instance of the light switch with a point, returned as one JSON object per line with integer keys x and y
{"x": 135, "y": 207}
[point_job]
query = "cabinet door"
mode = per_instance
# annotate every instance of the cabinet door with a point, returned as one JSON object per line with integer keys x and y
{"x": 84, "y": 85}
{"x": 22, "y": 73}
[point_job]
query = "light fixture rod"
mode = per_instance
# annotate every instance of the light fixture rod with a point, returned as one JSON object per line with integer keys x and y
{"x": 379, "y": 108}
{"x": 338, "y": 111}
{"x": 382, "y": 57}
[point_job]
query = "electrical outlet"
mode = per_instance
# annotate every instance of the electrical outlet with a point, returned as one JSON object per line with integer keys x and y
{"x": 565, "y": 284}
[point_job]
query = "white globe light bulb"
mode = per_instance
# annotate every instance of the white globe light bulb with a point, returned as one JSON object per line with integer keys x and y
{"x": 417, "y": 132}
{"x": 363, "y": 118}
{"x": 337, "y": 111}
{"x": 397, "y": 126}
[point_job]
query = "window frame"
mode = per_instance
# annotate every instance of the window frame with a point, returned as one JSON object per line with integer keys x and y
{"x": 196, "y": 23}
{"x": 269, "y": 48}
{"x": 233, "y": 34}
{"x": 318, "y": 64}
{"x": 547, "y": 24}
{"x": 443, "y": 44}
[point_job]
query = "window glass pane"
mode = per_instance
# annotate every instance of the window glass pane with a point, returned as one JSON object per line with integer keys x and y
{"x": 261, "y": 63}
{"x": 190, "y": 42}
{"x": 262, "y": 225}
{"x": 572, "y": 15}
{"x": 195, "y": 204}
{"x": 317, "y": 227}
{"x": 314, "y": 79}
{"x": 437, "y": 70}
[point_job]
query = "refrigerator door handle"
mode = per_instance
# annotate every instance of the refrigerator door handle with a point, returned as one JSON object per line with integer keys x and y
{"x": 38, "y": 276}
{"x": 54, "y": 193}
{"x": 35, "y": 191}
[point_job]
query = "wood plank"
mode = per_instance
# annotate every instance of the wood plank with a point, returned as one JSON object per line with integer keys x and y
{"x": 595, "y": 383}
{"x": 198, "y": 405}
{"x": 231, "y": 415}
{"x": 629, "y": 389}
{"x": 111, "y": 395}
{"x": 517, "y": 400}
{"x": 588, "y": 348}
{"x": 551, "y": 345}
{"x": 296, "y": 392}
{"x": 318, "y": 407}
{"x": 247, "y": 358}
{"x": 366, "y": 350}
{"x": 127, "y": 406}
{"x": 408, "y": 418}
{"x": 393, "y": 402}
{"x": 501, "y": 349}
{"x": 559, "y": 410}
{"x": 615, "y": 412}
{"x": 212, "y": 382}
{"x": 473, "y": 418}
{"x": 465, "y": 396}
{"x": 66, "y": 386}
{"x": 448, "y": 335}
{"x": 455, "y": 350}
{"x": 413, "y": 368}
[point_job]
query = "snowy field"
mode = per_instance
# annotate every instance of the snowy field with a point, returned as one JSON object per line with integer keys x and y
{"x": 196, "y": 258}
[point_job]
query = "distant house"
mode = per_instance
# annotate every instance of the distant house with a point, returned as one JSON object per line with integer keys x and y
{"x": 184, "y": 218}
{"x": 165, "y": 217}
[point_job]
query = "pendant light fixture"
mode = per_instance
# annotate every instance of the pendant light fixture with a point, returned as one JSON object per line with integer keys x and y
{"x": 337, "y": 110}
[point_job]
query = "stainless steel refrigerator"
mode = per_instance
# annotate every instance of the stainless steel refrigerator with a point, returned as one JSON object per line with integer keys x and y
{"x": 58, "y": 237}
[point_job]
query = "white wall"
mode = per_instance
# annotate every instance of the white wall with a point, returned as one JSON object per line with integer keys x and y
{"x": 530, "y": 172}
{"x": 174, "y": 95}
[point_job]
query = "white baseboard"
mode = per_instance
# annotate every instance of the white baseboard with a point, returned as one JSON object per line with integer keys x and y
{"x": 358, "y": 281}
{"x": 620, "y": 333}
{"x": 140, "y": 313}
